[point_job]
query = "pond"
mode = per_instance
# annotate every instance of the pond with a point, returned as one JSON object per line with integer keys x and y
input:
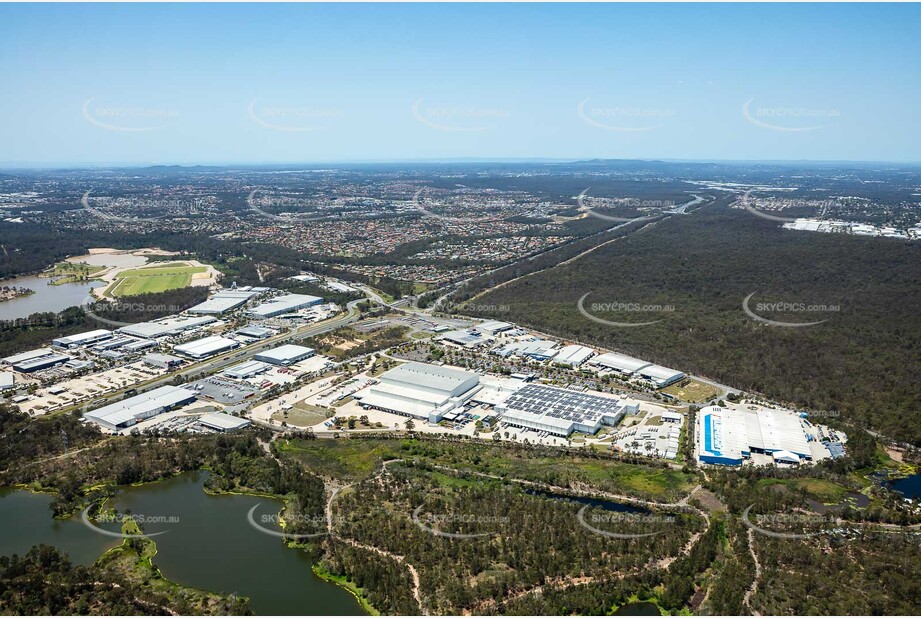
{"x": 641, "y": 608}
{"x": 608, "y": 505}
{"x": 207, "y": 543}
{"x": 909, "y": 486}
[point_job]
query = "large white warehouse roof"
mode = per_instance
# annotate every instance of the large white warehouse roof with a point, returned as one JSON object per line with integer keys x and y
{"x": 573, "y": 355}
{"x": 620, "y": 362}
{"x": 661, "y": 376}
{"x": 223, "y": 422}
{"x": 285, "y": 354}
{"x": 25, "y": 356}
{"x": 284, "y": 304}
{"x": 129, "y": 411}
{"x": 423, "y": 375}
{"x": 208, "y": 346}
{"x": 165, "y": 326}
{"x": 420, "y": 390}
{"x": 727, "y": 436}
{"x": 82, "y": 338}
{"x": 223, "y": 302}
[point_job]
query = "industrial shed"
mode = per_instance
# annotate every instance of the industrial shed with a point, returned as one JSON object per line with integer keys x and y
{"x": 280, "y": 305}
{"x": 35, "y": 360}
{"x": 208, "y": 346}
{"x": 421, "y": 391}
{"x": 573, "y": 355}
{"x": 81, "y": 339}
{"x": 559, "y": 411}
{"x": 728, "y": 436}
{"x": 222, "y": 302}
{"x": 164, "y": 327}
{"x": 285, "y": 355}
{"x": 218, "y": 421}
{"x": 130, "y": 411}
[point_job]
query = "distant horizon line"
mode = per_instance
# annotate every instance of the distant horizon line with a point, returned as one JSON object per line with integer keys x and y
{"x": 12, "y": 166}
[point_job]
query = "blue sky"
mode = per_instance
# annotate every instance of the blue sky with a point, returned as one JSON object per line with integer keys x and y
{"x": 127, "y": 84}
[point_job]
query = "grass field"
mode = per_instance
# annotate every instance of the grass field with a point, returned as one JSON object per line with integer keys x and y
{"x": 301, "y": 415}
{"x": 822, "y": 490}
{"x": 353, "y": 459}
{"x": 692, "y": 391}
{"x": 153, "y": 279}
{"x": 343, "y": 458}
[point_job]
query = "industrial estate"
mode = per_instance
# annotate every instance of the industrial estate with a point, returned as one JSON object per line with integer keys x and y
{"x": 460, "y": 309}
{"x": 235, "y": 359}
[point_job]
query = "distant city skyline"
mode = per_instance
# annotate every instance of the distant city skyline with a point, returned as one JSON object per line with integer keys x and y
{"x": 287, "y": 84}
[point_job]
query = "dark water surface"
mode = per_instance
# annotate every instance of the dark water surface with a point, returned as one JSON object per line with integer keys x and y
{"x": 207, "y": 543}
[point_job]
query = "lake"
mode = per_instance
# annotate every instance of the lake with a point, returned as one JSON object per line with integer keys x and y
{"x": 53, "y": 298}
{"x": 57, "y": 298}
{"x": 208, "y": 543}
{"x": 25, "y": 520}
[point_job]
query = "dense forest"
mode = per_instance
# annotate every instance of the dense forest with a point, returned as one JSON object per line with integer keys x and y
{"x": 536, "y": 540}
{"x": 518, "y": 570}
{"x": 44, "y": 583}
{"x": 863, "y": 361}
{"x": 870, "y": 574}
{"x": 30, "y": 248}
{"x": 548, "y": 259}
{"x": 533, "y": 557}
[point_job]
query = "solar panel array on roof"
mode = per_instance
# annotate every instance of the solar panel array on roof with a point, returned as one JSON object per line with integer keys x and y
{"x": 559, "y": 403}
{"x": 562, "y": 410}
